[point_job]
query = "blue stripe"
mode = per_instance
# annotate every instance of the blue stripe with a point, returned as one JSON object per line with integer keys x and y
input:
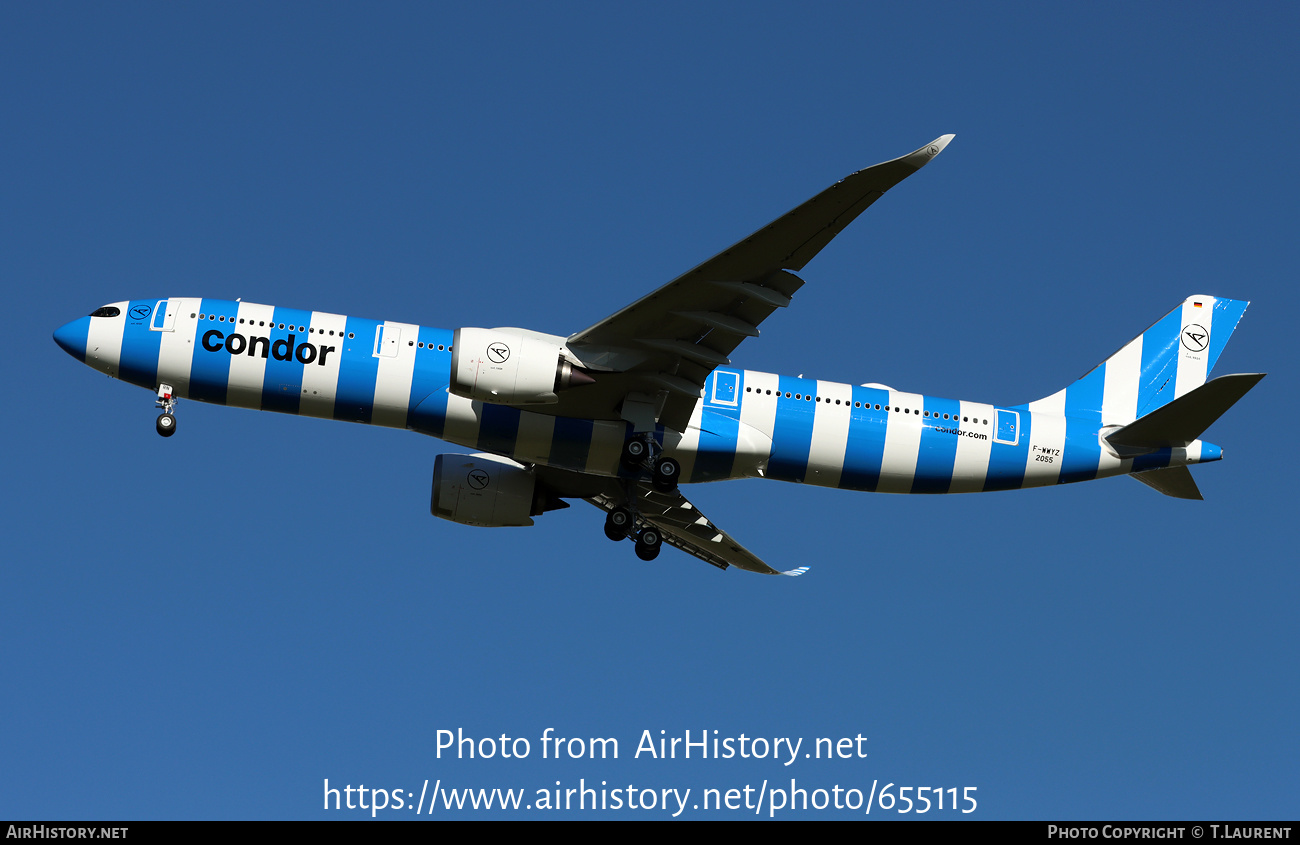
{"x": 1156, "y": 460}
{"x": 74, "y": 336}
{"x": 498, "y": 428}
{"x": 792, "y": 435}
{"x": 866, "y": 447}
{"x": 430, "y": 416}
{"x": 282, "y": 380}
{"x": 938, "y": 453}
{"x": 1081, "y": 452}
{"x": 716, "y": 453}
{"x": 1007, "y": 462}
{"x": 358, "y": 371}
{"x": 1227, "y": 314}
{"x": 210, "y": 371}
{"x": 1160, "y": 348}
{"x": 140, "y": 346}
{"x": 570, "y": 444}
{"x": 428, "y": 403}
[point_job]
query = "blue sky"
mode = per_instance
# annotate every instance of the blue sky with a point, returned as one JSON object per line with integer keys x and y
{"x": 212, "y": 625}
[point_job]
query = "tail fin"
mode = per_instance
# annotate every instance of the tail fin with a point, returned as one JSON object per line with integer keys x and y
{"x": 1168, "y": 360}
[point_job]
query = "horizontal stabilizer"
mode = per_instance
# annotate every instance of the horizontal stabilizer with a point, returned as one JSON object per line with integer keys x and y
{"x": 1172, "y": 481}
{"x": 1181, "y": 421}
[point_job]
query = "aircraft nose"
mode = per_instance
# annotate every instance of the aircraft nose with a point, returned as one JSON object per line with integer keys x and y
{"x": 72, "y": 337}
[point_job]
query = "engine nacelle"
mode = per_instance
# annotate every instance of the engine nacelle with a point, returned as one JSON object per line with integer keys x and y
{"x": 511, "y": 366}
{"x": 483, "y": 490}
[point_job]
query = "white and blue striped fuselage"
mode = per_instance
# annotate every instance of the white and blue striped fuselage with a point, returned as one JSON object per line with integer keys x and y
{"x": 747, "y": 423}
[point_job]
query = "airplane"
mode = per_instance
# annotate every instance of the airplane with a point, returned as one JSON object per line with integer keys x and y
{"x": 620, "y": 412}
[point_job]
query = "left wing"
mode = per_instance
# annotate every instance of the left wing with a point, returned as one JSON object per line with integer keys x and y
{"x": 680, "y": 522}
{"x": 683, "y": 526}
{"x": 653, "y": 357}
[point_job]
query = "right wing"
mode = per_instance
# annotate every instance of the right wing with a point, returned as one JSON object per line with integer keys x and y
{"x": 655, "y": 354}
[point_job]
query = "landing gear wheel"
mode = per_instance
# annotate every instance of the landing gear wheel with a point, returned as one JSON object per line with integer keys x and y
{"x": 166, "y": 425}
{"x": 667, "y": 471}
{"x": 618, "y": 523}
{"x": 634, "y": 452}
{"x": 648, "y": 543}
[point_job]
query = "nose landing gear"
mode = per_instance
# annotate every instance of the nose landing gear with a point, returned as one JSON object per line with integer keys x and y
{"x": 166, "y": 424}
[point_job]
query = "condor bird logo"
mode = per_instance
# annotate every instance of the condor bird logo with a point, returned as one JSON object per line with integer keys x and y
{"x": 1195, "y": 337}
{"x": 498, "y": 353}
{"x": 477, "y": 478}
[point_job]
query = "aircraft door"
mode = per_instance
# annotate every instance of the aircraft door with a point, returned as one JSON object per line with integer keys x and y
{"x": 164, "y": 315}
{"x": 388, "y": 340}
{"x": 725, "y": 388}
{"x": 1008, "y": 428}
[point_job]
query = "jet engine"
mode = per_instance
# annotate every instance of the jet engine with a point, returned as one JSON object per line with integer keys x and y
{"x": 511, "y": 366}
{"x": 488, "y": 491}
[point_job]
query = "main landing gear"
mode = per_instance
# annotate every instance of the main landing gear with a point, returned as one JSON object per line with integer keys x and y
{"x": 648, "y": 543}
{"x": 642, "y": 451}
{"x": 666, "y": 473}
{"x": 619, "y": 522}
{"x": 166, "y": 424}
{"x": 635, "y": 451}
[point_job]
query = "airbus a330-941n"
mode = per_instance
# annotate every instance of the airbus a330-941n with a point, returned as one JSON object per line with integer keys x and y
{"x": 620, "y": 412}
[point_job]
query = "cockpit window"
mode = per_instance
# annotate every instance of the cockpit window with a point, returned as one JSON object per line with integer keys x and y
{"x": 106, "y": 311}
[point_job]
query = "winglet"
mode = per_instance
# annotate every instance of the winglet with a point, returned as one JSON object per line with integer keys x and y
{"x": 794, "y": 573}
{"x": 920, "y": 158}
